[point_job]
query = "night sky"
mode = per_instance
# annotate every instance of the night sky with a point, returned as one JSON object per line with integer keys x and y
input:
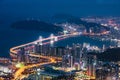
{"x": 45, "y": 8}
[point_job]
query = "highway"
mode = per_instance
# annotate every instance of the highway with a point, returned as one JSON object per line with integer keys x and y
{"x": 13, "y": 51}
{"x": 18, "y": 74}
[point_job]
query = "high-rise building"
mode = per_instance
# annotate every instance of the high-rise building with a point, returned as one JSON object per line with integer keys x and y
{"x": 21, "y": 55}
{"x": 36, "y": 48}
{"x": 91, "y": 65}
{"x": 45, "y": 49}
{"x": 61, "y": 51}
{"x": 27, "y": 57}
{"x": 67, "y": 61}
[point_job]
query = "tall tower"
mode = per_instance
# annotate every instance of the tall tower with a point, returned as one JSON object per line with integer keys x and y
{"x": 51, "y": 40}
{"x": 27, "y": 58}
{"x": 91, "y": 65}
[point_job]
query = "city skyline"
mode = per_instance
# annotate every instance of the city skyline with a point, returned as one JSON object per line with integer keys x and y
{"x": 59, "y": 40}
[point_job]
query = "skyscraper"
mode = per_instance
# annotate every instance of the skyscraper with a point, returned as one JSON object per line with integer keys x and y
{"x": 21, "y": 55}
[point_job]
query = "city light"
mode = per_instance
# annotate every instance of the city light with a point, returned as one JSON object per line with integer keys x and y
{"x": 82, "y": 43}
{"x": 51, "y": 42}
{"x": 65, "y": 32}
{"x": 19, "y": 65}
{"x": 68, "y": 58}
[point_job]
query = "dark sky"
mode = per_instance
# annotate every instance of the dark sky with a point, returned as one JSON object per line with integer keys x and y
{"x": 44, "y": 8}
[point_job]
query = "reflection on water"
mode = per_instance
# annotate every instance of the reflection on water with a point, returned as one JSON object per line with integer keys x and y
{"x": 84, "y": 39}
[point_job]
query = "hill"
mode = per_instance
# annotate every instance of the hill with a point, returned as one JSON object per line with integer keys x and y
{"x": 108, "y": 55}
{"x": 36, "y": 25}
{"x": 63, "y": 18}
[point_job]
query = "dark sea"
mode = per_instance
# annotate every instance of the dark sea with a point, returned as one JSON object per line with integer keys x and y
{"x": 83, "y": 39}
{"x": 10, "y": 38}
{"x": 16, "y": 10}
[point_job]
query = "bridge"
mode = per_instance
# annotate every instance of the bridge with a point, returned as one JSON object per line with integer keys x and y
{"x": 42, "y": 41}
{"x": 50, "y": 40}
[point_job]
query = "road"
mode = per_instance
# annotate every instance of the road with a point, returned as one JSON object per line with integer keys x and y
{"x": 13, "y": 51}
{"x": 18, "y": 74}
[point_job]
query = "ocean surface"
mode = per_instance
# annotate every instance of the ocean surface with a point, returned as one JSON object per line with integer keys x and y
{"x": 12, "y": 37}
{"x": 83, "y": 39}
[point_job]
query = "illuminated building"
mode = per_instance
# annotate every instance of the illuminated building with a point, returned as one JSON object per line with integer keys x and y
{"x": 36, "y": 48}
{"x": 61, "y": 51}
{"x": 77, "y": 66}
{"x": 27, "y": 58}
{"x": 45, "y": 49}
{"x": 53, "y": 51}
{"x": 86, "y": 45}
{"x": 67, "y": 61}
{"x": 4, "y": 68}
{"x": 91, "y": 65}
{"x": 21, "y": 55}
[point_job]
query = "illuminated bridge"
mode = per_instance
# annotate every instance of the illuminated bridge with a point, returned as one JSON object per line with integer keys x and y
{"x": 50, "y": 40}
{"x": 42, "y": 41}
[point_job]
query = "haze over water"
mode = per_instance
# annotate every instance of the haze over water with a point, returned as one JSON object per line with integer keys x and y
{"x": 15, "y": 10}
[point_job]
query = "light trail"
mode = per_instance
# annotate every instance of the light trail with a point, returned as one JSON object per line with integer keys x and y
{"x": 13, "y": 52}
